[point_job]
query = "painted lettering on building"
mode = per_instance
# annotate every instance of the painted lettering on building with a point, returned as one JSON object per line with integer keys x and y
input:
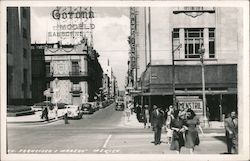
{"x": 86, "y": 14}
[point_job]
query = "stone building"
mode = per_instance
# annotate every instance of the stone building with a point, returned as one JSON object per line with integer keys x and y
{"x": 73, "y": 73}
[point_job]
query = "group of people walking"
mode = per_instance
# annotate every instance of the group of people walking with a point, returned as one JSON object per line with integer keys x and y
{"x": 181, "y": 126}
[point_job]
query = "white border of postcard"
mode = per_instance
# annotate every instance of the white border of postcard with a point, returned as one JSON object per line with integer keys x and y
{"x": 243, "y": 83}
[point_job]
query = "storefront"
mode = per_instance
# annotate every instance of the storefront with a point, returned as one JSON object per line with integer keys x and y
{"x": 220, "y": 85}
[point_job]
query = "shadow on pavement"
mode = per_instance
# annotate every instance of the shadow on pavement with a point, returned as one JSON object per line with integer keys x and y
{"x": 221, "y": 138}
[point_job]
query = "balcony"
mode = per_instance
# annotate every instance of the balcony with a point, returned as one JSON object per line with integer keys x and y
{"x": 194, "y": 9}
{"x": 78, "y": 74}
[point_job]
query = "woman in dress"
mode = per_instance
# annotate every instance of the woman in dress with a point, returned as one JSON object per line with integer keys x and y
{"x": 191, "y": 134}
{"x": 177, "y": 126}
{"x": 169, "y": 117}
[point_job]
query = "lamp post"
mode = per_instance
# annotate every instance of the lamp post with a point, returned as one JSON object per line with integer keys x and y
{"x": 201, "y": 52}
{"x": 56, "y": 90}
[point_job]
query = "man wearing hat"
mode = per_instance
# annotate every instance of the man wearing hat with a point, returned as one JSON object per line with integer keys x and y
{"x": 157, "y": 122}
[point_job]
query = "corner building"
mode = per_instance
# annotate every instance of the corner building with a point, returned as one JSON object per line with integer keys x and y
{"x": 184, "y": 30}
{"x": 69, "y": 73}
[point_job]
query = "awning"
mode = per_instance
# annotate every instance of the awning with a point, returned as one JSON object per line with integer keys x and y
{"x": 199, "y": 92}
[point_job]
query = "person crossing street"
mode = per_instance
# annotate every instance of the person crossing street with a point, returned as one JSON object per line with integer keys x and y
{"x": 157, "y": 122}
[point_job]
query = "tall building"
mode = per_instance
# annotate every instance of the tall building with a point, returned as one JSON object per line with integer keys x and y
{"x": 113, "y": 86}
{"x": 18, "y": 56}
{"x": 184, "y": 31}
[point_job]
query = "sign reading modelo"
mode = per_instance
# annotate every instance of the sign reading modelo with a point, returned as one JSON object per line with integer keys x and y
{"x": 71, "y": 23}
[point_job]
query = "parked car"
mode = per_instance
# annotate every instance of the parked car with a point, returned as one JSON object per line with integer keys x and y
{"x": 39, "y": 106}
{"x": 74, "y": 111}
{"x": 87, "y": 108}
{"x": 94, "y": 106}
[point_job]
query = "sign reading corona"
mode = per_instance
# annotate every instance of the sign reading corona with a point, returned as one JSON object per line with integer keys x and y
{"x": 71, "y": 23}
{"x": 56, "y": 14}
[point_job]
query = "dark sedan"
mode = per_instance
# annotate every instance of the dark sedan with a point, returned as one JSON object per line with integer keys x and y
{"x": 119, "y": 106}
{"x": 87, "y": 108}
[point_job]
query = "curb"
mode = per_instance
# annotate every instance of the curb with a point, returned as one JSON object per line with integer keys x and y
{"x": 36, "y": 122}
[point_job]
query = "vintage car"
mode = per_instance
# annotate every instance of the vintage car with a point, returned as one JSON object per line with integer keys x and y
{"x": 119, "y": 104}
{"x": 74, "y": 111}
{"x": 87, "y": 108}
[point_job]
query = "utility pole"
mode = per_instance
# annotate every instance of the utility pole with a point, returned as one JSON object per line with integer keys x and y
{"x": 202, "y": 51}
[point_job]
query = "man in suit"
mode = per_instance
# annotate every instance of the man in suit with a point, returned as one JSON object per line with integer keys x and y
{"x": 157, "y": 119}
{"x": 231, "y": 127}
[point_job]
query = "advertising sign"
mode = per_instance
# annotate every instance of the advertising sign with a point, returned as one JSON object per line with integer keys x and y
{"x": 71, "y": 23}
{"x": 192, "y": 102}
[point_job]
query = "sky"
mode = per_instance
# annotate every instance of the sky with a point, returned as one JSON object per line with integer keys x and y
{"x": 112, "y": 28}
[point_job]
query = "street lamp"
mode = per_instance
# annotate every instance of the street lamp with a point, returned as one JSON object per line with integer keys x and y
{"x": 202, "y": 52}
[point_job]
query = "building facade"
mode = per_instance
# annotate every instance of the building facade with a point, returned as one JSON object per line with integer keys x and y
{"x": 73, "y": 73}
{"x": 176, "y": 37}
{"x": 18, "y": 56}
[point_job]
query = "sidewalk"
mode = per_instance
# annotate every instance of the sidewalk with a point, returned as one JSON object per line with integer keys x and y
{"x": 35, "y": 118}
{"x": 216, "y": 128}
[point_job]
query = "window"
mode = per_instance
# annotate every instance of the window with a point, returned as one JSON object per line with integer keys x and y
{"x": 24, "y": 33}
{"x": 24, "y": 53}
{"x": 47, "y": 69}
{"x": 193, "y": 41}
{"x": 211, "y": 43}
{"x": 75, "y": 68}
{"x": 24, "y": 12}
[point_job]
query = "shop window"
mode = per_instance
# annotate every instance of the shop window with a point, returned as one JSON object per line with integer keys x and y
{"x": 193, "y": 41}
{"x": 211, "y": 43}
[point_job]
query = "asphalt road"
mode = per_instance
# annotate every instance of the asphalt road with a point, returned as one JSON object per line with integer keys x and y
{"x": 99, "y": 133}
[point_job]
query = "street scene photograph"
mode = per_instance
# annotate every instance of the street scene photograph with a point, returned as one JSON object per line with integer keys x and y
{"x": 124, "y": 80}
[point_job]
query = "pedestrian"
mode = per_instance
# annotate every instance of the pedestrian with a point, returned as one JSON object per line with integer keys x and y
{"x": 45, "y": 113}
{"x": 157, "y": 122}
{"x": 138, "y": 111}
{"x": 177, "y": 126}
{"x": 169, "y": 117}
{"x": 147, "y": 116}
{"x": 231, "y": 127}
{"x": 56, "y": 111}
{"x": 191, "y": 134}
{"x": 128, "y": 110}
{"x": 65, "y": 116}
{"x": 183, "y": 112}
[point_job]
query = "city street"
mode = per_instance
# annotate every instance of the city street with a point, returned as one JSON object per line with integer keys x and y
{"x": 101, "y": 133}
